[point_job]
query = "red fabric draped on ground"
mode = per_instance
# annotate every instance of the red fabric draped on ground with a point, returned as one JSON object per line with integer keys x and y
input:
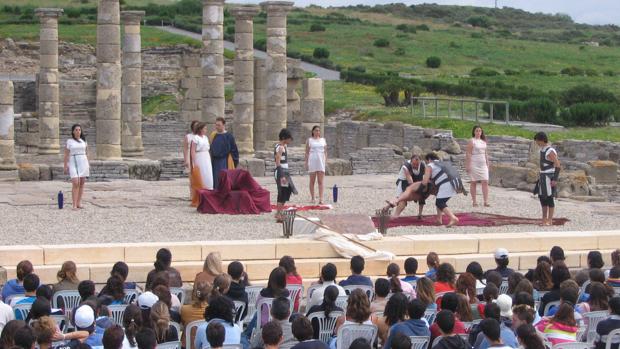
{"x": 305, "y": 207}
{"x": 476, "y": 219}
{"x": 237, "y": 193}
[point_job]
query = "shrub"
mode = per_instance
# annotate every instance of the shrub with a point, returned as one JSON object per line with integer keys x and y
{"x": 479, "y": 21}
{"x": 402, "y": 27}
{"x": 293, "y": 54}
{"x": 572, "y": 71}
{"x": 423, "y": 28}
{"x": 539, "y": 109}
{"x": 588, "y": 114}
{"x": 390, "y": 91}
{"x": 543, "y": 72}
{"x": 260, "y": 44}
{"x": 482, "y": 71}
{"x": 591, "y": 72}
{"x": 587, "y": 94}
{"x": 477, "y": 35}
{"x": 359, "y": 68}
{"x": 454, "y": 45}
{"x": 402, "y": 36}
{"x": 27, "y": 14}
{"x": 73, "y": 12}
{"x": 315, "y": 27}
{"x": 400, "y": 51}
{"x": 609, "y": 73}
{"x": 433, "y": 62}
{"x": 511, "y": 72}
{"x": 320, "y": 52}
{"x": 382, "y": 42}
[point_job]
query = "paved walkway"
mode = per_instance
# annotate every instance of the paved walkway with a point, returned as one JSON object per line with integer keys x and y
{"x": 323, "y": 73}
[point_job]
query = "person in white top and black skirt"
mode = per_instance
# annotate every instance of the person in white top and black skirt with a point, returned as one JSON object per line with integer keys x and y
{"x": 76, "y": 164}
{"x": 283, "y": 178}
{"x": 546, "y": 187}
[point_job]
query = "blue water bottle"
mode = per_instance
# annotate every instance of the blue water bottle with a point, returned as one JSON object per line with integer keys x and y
{"x": 61, "y": 200}
{"x": 335, "y": 193}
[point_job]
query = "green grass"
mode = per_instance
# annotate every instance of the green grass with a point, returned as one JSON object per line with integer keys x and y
{"x": 79, "y": 3}
{"x": 159, "y": 103}
{"x": 367, "y": 104}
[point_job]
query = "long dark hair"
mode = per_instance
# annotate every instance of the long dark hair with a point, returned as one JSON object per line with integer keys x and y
{"x": 482, "y": 135}
{"x": 82, "y": 135}
{"x": 395, "y": 309}
{"x": 393, "y": 270}
{"x": 598, "y": 297}
{"x": 277, "y": 281}
{"x": 565, "y": 314}
{"x": 529, "y": 338}
{"x": 132, "y": 321}
{"x": 329, "y": 299}
{"x": 288, "y": 263}
{"x": 163, "y": 259}
{"x": 314, "y": 128}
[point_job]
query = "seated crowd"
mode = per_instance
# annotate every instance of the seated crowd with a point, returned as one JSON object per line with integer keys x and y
{"x": 496, "y": 308}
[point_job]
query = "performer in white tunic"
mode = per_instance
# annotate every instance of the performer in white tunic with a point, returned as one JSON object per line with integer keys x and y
{"x": 477, "y": 164}
{"x": 202, "y": 173}
{"x": 76, "y": 164}
{"x": 316, "y": 158}
{"x": 546, "y": 187}
{"x": 187, "y": 142}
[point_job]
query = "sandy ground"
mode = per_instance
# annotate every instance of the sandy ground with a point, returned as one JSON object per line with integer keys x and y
{"x": 135, "y": 211}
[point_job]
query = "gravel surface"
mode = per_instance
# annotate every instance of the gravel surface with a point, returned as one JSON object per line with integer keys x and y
{"x": 134, "y": 211}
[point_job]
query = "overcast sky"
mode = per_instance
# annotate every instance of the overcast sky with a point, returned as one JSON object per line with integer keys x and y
{"x": 582, "y": 11}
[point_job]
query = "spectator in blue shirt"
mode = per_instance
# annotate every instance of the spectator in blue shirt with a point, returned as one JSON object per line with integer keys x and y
{"x": 411, "y": 268}
{"x": 356, "y": 277}
{"x": 31, "y": 283}
{"x": 15, "y": 286}
{"x": 432, "y": 261}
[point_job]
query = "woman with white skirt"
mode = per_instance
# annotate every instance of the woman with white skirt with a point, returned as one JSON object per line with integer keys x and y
{"x": 477, "y": 164}
{"x": 316, "y": 158}
{"x": 187, "y": 142}
{"x": 200, "y": 162}
{"x": 76, "y": 164}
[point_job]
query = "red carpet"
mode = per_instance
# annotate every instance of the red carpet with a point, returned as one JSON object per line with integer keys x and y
{"x": 304, "y": 207}
{"x": 476, "y": 219}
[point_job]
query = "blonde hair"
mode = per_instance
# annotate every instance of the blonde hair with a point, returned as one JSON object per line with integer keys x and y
{"x": 44, "y": 329}
{"x": 213, "y": 264}
{"x": 425, "y": 291}
{"x": 221, "y": 285}
{"x": 160, "y": 320}
{"x": 68, "y": 271}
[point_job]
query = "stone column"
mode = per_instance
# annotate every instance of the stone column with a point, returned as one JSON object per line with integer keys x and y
{"x": 312, "y": 105}
{"x": 131, "y": 109}
{"x": 213, "y": 103}
{"x": 49, "y": 96}
{"x": 108, "y": 119}
{"x": 293, "y": 101}
{"x": 243, "y": 101}
{"x": 260, "y": 104}
{"x": 276, "y": 67}
{"x": 8, "y": 167}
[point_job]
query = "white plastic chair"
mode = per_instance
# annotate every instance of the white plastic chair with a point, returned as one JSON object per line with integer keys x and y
{"x": 70, "y": 299}
{"x": 503, "y": 288}
{"x": 232, "y": 346}
{"x": 189, "y": 336}
{"x": 253, "y": 292}
{"x": 265, "y": 302}
{"x": 580, "y": 332}
{"x": 341, "y": 302}
{"x": 179, "y": 292}
{"x": 573, "y": 345}
{"x": 169, "y": 345}
{"x": 327, "y": 324}
{"x": 610, "y": 338}
{"x": 370, "y": 292}
{"x": 429, "y": 315}
{"x": 131, "y": 296}
{"x": 348, "y": 333}
{"x": 419, "y": 342}
{"x": 592, "y": 319}
{"x": 117, "y": 311}
{"x": 549, "y": 305}
{"x": 61, "y": 321}
{"x": 295, "y": 294}
{"x": 617, "y": 291}
{"x": 177, "y": 326}
{"x": 311, "y": 289}
{"x": 239, "y": 309}
{"x": 435, "y": 341}
{"x": 582, "y": 290}
{"x": 23, "y": 310}
{"x": 9, "y": 298}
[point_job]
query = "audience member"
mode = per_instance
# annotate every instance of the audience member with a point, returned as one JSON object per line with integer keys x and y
{"x": 396, "y": 284}
{"x": 541, "y": 278}
{"x": 530, "y": 272}
{"x": 504, "y": 302}
{"x": 195, "y": 310}
{"x": 172, "y": 302}
{"x": 163, "y": 261}
{"x": 24, "y": 338}
{"x": 446, "y": 277}
{"x": 466, "y": 285}
{"x": 272, "y": 335}
{"x": 328, "y": 277}
{"x": 522, "y": 314}
{"x": 360, "y": 343}
{"x": 395, "y": 312}
{"x": 463, "y": 309}
{"x": 475, "y": 269}
{"x": 595, "y": 261}
{"x": 15, "y": 286}
{"x": 356, "y": 278}
{"x": 415, "y": 326}
{"x": 114, "y": 291}
{"x": 495, "y": 278}
{"x": 121, "y": 269}
{"x": 86, "y": 289}
{"x": 492, "y": 313}
{"x": 113, "y": 337}
{"x": 292, "y": 277}
{"x": 569, "y": 291}
{"x": 614, "y": 277}
{"x": 562, "y": 327}
{"x": 7, "y": 340}
{"x": 432, "y": 262}
{"x": 597, "y": 300}
{"x": 411, "y": 269}
{"x": 501, "y": 260}
{"x": 449, "y": 301}
{"x": 513, "y": 280}
{"x": 40, "y": 307}
{"x": 280, "y": 313}
{"x": 211, "y": 268}
{"x": 146, "y": 338}
{"x": 303, "y": 332}
{"x": 358, "y": 311}
{"x": 220, "y": 309}
{"x": 84, "y": 320}
{"x": 524, "y": 286}
{"x": 216, "y": 335}
{"x": 67, "y": 278}
{"x": 559, "y": 273}
{"x": 276, "y": 287}
{"x": 556, "y": 254}
{"x": 523, "y": 298}
{"x": 449, "y": 340}
{"x": 606, "y": 326}
{"x": 401, "y": 341}
{"x": 327, "y": 307}
{"x": 489, "y": 295}
{"x": 492, "y": 335}
{"x": 425, "y": 292}
{"x": 382, "y": 290}
{"x": 31, "y": 283}
{"x": 44, "y": 331}
{"x": 6, "y": 314}
{"x": 615, "y": 261}
{"x": 160, "y": 323}
{"x": 237, "y": 292}
{"x": 529, "y": 338}
{"x": 132, "y": 322}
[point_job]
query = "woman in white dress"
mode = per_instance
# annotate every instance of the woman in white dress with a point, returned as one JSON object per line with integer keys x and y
{"x": 477, "y": 165}
{"x": 200, "y": 162}
{"x": 316, "y": 158}
{"x": 76, "y": 164}
{"x": 187, "y": 142}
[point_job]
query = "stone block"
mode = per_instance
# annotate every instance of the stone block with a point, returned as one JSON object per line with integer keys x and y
{"x": 108, "y": 12}
{"x": 108, "y": 132}
{"x": 28, "y": 172}
{"x": 241, "y": 250}
{"x": 313, "y": 88}
{"x": 109, "y": 76}
{"x": 608, "y": 239}
{"x": 400, "y": 246}
{"x": 338, "y": 167}
{"x": 604, "y": 171}
{"x": 302, "y": 248}
{"x": 48, "y": 47}
{"x": 517, "y": 242}
{"x": 45, "y": 174}
{"x": 463, "y": 260}
{"x": 10, "y": 256}
{"x": 83, "y": 253}
{"x": 312, "y": 110}
{"x": 256, "y": 167}
{"x": 145, "y": 170}
{"x": 569, "y": 240}
{"x": 109, "y": 151}
{"x": 145, "y": 252}
{"x": 47, "y": 273}
{"x": 48, "y": 61}
{"x": 506, "y": 175}
{"x": 109, "y": 53}
{"x": 463, "y": 244}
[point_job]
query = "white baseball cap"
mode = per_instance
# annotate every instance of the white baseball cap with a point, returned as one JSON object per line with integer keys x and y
{"x": 501, "y": 253}
{"x": 504, "y": 302}
{"x": 84, "y": 317}
{"x": 147, "y": 299}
